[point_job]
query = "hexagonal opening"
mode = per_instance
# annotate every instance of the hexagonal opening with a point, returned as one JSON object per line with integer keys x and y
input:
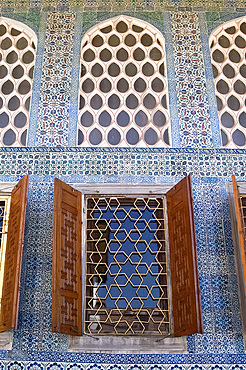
{"x": 143, "y": 292}
{"x": 121, "y": 235}
{"x": 136, "y": 280}
{"x": 134, "y": 235}
{"x": 140, "y": 204}
{"x": 121, "y": 279}
{"x": 141, "y": 246}
{"x": 142, "y": 269}
{"x": 114, "y": 269}
{"x": 121, "y": 303}
{"x": 120, "y": 214}
{"x": 141, "y": 224}
{"x": 114, "y": 225}
{"x": 134, "y": 214}
{"x": 153, "y": 225}
{"x": 114, "y": 292}
{"x": 155, "y": 292}
{"x": 114, "y": 246}
{"x": 135, "y": 258}
{"x": 120, "y": 258}
{"x": 136, "y": 303}
{"x": 102, "y": 292}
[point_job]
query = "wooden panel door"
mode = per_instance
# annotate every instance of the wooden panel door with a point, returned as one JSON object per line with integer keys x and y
{"x": 240, "y": 227}
{"x": 186, "y": 304}
{"x": 13, "y": 256}
{"x": 67, "y": 285}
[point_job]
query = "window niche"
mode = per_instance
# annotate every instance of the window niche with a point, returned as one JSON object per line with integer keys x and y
{"x": 17, "y": 58}
{"x": 227, "y": 46}
{"x": 89, "y": 262}
{"x": 123, "y": 92}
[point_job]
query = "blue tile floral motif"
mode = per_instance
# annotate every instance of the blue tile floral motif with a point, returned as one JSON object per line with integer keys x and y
{"x": 193, "y": 109}
{"x": 54, "y": 105}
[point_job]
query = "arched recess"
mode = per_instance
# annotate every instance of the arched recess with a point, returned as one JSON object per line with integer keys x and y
{"x": 123, "y": 92}
{"x": 227, "y": 45}
{"x": 17, "y": 58}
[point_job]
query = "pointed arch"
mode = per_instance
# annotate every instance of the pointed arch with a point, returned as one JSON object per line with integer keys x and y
{"x": 17, "y": 58}
{"x": 123, "y": 92}
{"x": 227, "y": 45}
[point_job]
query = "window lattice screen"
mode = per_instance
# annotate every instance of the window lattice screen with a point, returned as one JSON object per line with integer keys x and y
{"x": 123, "y": 87}
{"x": 17, "y": 57}
{"x": 126, "y": 267}
{"x": 227, "y": 45}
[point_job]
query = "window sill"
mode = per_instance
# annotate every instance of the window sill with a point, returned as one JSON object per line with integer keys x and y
{"x": 133, "y": 344}
{"x": 6, "y": 340}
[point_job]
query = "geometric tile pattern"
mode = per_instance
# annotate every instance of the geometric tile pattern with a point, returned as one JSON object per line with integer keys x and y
{"x": 53, "y": 115}
{"x": 28, "y": 365}
{"x": 217, "y": 276}
{"x": 121, "y": 165}
{"x": 193, "y": 109}
{"x": 124, "y": 4}
{"x": 34, "y": 325}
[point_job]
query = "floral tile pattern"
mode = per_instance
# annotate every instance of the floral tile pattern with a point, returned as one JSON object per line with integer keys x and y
{"x": 53, "y": 115}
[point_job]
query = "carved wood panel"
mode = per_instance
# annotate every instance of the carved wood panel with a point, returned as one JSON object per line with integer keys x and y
{"x": 240, "y": 225}
{"x": 184, "y": 274}
{"x": 67, "y": 291}
{"x": 13, "y": 256}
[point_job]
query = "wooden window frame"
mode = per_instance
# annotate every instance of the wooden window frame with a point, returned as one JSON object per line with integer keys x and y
{"x": 116, "y": 343}
{"x": 235, "y": 189}
{"x": 16, "y": 193}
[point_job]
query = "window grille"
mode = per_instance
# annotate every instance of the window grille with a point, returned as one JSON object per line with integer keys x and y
{"x": 17, "y": 57}
{"x": 126, "y": 267}
{"x": 123, "y": 94}
{"x": 106, "y": 287}
{"x": 227, "y": 44}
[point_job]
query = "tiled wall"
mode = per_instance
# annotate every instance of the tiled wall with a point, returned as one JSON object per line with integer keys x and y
{"x": 52, "y": 153}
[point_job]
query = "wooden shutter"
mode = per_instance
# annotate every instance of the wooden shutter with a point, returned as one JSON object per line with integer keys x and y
{"x": 13, "y": 256}
{"x": 240, "y": 227}
{"x": 67, "y": 286}
{"x": 187, "y": 318}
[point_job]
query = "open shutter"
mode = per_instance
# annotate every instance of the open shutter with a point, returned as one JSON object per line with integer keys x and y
{"x": 13, "y": 255}
{"x": 67, "y": 288}
{"x": 187, "y": 318}
{"x": 240, "y": 227}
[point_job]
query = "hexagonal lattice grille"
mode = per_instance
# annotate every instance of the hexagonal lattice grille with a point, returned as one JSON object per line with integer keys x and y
{"x": 123, "y": 87}
{"x": 227, "y": 45}
{"x": 17, "y": 56}
{"x": 126, "y": 270}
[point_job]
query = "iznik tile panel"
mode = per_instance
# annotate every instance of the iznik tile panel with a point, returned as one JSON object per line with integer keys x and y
{"x": 193, "y": 109}
{"x": 53, "y": 114}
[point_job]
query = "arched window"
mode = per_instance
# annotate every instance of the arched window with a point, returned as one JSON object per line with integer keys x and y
{"x": 227, "y": 44}
{"x": 17, "y": 57}
{"x": 123, "y": 95}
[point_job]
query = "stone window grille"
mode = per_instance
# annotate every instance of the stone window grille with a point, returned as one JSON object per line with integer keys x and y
{"x": 17, "y": 58}
{"x": 227, "y": 45}
{"x": 123, "y": 92}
